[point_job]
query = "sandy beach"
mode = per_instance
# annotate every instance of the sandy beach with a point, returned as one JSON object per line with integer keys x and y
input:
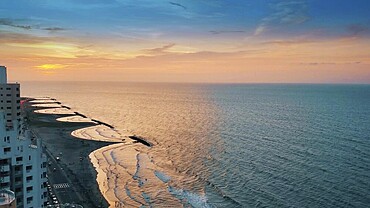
{"x": 73, "y": 155}
{"x": 98, "y": 166}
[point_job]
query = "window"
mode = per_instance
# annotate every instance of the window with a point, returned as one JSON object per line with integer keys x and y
{"x": 18, "y": 159}
{"x": 18, "y": 189}
{"x": 29, "y": 157}
{"x": 17, "y": 179}
{"x": 4, "y": 184}
{"x": 30, "y": 188}
{"x": 6, "y": 139}
{"x": 7, "y": 149}
{"x": 8, "y": 88}
{"x": 8, "y": 95}
{"x": 29, "y": 178}
{"x": 29, "y": 167}
{"x": 29, "y": 199}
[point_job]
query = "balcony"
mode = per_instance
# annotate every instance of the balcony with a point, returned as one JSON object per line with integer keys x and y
{"x": 5, "y": 179}
{"x": 18, "y": 172}
{"x": 4, "y": 168}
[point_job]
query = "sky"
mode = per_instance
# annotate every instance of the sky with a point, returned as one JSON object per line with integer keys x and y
{"x": 208, "y": 41}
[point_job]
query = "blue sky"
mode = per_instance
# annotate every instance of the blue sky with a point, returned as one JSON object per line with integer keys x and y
{"x": 195, "y": 17}
{"x": 135, "y": 27}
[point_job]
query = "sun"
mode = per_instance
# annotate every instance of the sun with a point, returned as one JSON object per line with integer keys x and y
{"x": 51, "y": 66}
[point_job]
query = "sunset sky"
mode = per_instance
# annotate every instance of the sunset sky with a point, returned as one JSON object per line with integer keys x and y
{"x": 242, "y": 41}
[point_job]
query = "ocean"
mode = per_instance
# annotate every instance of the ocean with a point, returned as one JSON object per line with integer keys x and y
{"x": 231, "y": 145}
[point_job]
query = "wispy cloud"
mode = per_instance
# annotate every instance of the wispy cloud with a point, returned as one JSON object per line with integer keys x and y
{"x": 13, "y": 23}
{"x": 284, "y": 13}
{"x": 54, "y": 29}
{"x": 357, "y": 29}
{"x": 11, "y": 37}
{"x": 178, "y": 5}
{"x": 18, "y": 23}
{"x": 330, "y": 63}
{"x": 159, "y": 51}
{"x": 218, "y": 32}
{"x": 288, "y": 42}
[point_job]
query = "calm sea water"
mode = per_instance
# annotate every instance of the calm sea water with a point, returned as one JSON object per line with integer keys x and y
{"x": 242, "y": 145}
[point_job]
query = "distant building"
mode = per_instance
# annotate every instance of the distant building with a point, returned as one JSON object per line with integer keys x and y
{"x": 22, "y": 162}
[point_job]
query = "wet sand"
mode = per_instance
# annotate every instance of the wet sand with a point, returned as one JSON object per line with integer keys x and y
{"x": 104, "y": 167}
{"x": 73, "y": 152}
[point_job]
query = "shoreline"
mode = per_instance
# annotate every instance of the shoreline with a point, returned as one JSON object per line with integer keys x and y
{"x": 77, "y": 166}
{"x": 103, "y": 167}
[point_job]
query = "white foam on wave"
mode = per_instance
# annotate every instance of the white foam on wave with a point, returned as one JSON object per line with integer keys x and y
{"x": 56, "y": 111}
{"x": 163, "y": 177}
{"x": 98, "y": 133}
{"x": 75, "y": 119}
{"x": 47, "y": 105}
{"x": 46, "y": 100}
{"x": 195, "y": 200}
{"x": 116, "y": 165}
{"x": 129, "y": 178}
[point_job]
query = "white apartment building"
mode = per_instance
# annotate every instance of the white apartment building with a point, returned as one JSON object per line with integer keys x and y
{"x": 22, "y": 162}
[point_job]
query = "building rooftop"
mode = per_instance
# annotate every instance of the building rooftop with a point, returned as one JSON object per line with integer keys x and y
{"x": 6, "y": 197}
{"x": 3, "y": 76}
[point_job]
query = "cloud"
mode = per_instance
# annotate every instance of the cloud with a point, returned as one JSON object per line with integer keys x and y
{"x": 218, "y": 32}
{"x": 357, "y": 29}
{"x": 15, "y": 23}
{"x": 288, "y": 12}
{"x": 288, "y": 42}
{"x": 12, "y": 23}
{"x": 178, "y": 5}
{"x": 330, "y": 63}
{"x": 9, "y": 37}
{"x": 160, "y": 50}
{"x": 53, "y": 29}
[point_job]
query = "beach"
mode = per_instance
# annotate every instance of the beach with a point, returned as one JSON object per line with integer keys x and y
{"x": 92, "y": 164}
{"x": 68, "y": 156}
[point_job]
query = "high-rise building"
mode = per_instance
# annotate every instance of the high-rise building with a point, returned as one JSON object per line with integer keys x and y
{"x": 22, "y": 162}
{"x": 9, "y": 100}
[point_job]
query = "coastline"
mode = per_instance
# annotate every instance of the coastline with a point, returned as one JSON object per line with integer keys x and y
{"x": 102, "y": 167}
{"x": 75, "y": 162}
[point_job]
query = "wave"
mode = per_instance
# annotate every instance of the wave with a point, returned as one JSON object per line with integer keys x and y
{"x": 127, "y": 165}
